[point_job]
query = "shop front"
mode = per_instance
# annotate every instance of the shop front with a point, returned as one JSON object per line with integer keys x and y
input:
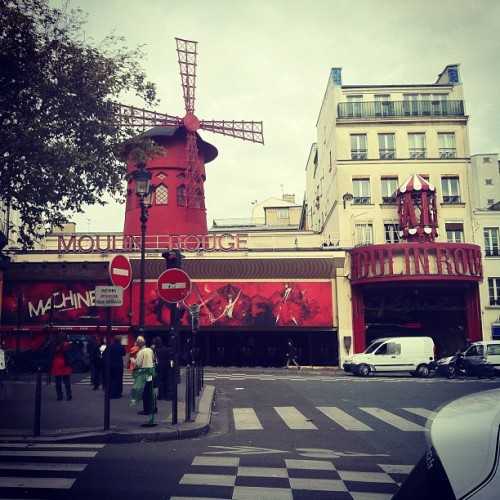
{"x": 407, "y": 289}
{"x": 248, "y": 307}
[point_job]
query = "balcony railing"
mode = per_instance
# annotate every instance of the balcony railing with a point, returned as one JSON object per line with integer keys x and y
{"x": 387, "y": 154}
{"x": 417, "y": 153}
{"x": 361, "y": 200}
{"x": 451, "y": 199}
{"x": 400, "y": 109}
{"x": 447, "y": 153}
{"x": 359, "y": 154}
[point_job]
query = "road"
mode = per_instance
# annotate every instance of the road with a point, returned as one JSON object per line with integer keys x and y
{"x": 290, "y": 435}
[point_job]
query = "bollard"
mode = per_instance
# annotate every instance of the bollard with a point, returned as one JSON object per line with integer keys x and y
{"x": 174, "y": 393}
{"x": 38, "y": 403}
{"x": 193, "y": 391}
{"x": 188, "y": 394}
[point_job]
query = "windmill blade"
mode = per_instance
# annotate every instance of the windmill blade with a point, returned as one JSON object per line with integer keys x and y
{"x": 245, "y": 130}
{"x": 187, "y": 55}
{"x": 130, "y": 116}
{"x": 192, "y": 170}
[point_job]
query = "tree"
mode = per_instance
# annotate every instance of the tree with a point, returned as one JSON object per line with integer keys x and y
{"x": 59, "y": 144}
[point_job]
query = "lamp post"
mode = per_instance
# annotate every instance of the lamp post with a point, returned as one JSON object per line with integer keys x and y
{"x": 142, "y": 178}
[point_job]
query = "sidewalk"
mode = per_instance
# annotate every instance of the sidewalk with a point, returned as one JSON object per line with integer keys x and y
{"x": 81, "y": 420}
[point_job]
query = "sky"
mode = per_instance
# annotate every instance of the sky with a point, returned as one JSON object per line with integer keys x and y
{"x": 270, "y": 60}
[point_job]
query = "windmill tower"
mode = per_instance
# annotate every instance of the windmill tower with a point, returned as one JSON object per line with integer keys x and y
{"x": 177, "y": 203}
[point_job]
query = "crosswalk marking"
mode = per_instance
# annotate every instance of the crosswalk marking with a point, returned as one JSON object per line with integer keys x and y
{"x": 421, "y": 412}
{"x": 294, "y": 419}
{"x": 48, "y": 467}
{"x": 208, "y": 479}
{"x": 53, "y": 483}
{"x": 31, "y": 446}
{"x": 245, "y": 419}
{"x": 342, "y": 418}
{"x": 43, "y": 468}
{"x": 46, "y": 454}
{"x": 392, "y": 419}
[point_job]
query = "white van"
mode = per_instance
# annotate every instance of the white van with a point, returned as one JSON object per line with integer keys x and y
{"x": 394, "y": 354}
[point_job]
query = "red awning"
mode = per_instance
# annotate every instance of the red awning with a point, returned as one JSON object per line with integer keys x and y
{"x": 416, "y": 183}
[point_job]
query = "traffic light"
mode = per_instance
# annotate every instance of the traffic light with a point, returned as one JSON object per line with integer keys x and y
{"x": 173, "y": 259}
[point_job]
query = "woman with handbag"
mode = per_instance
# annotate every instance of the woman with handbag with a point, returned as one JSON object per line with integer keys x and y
{"x": 61, "y": 368}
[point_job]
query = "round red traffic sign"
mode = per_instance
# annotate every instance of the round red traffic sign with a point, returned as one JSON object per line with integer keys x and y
{"x": 120, "y": 271}
{"x": 174, "y": 285}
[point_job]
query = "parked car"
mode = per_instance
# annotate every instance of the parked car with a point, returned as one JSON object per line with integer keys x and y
{"x": 394, "y": 354}
{"x": 462, "y": 459}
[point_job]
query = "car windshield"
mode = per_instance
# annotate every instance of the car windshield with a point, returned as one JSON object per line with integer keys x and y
{"x": 373, "y": 346}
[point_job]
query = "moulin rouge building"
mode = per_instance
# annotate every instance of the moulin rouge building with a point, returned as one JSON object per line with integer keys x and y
{"x": 384, "y": 246}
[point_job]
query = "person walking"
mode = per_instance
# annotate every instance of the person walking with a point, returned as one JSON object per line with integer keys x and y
{"x": 291, "y": 355}
{"x": 162, "y": 353}
{"x": 114, "y": 356}
{"x": 145, "y": 359}
{"x": 61, "y": 369}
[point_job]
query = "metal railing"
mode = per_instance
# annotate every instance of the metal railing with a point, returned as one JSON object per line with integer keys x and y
{"x": 387, "y": 154}
{"x": 373, "y": 109}
{"x": 417, "y": 153}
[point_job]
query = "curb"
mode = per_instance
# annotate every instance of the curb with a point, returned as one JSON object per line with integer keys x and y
{"x": 200, "y": 426}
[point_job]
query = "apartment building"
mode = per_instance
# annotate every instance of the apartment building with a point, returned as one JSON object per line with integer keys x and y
{"x": 485, "y": 194}
{"x": 374, "y": 143}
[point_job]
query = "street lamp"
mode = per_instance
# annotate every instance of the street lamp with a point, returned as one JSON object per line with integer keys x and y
{"x": 142, "y": 178}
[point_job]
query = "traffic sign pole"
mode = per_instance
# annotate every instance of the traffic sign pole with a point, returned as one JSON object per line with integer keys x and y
{"x": 120, "y": 276}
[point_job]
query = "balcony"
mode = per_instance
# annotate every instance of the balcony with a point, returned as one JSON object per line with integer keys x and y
{"x": 387, "y": 154}
{"x": 445, "y": 153}
{"x": 359, "y": 154}
{"x": 452, "y": 199}
{"x": 388, "y": 200}
{"x": 399, "y": 109}
{"x": 417, "y": 153}
{"x": 361, "y": 200}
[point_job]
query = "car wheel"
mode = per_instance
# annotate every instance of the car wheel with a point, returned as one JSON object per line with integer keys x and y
{"x": 364, "y": 370}
{"x": 423, "y": 371}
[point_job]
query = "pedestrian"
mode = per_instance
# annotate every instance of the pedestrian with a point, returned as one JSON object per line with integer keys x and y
{"x": 145, "y": 361}
{"x": 100, "y": 378}
{"x": 114, "y": 356}
{"x": 94, "y": 356}
{"x": 291, "y": 355}
{"x": 60, "y": 368}
{"x": 162, "y": 355}
{"x": 132, "y": 355}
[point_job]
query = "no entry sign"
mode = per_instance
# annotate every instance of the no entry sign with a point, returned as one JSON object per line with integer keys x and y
{"x": 174, "y": 285}
{"x": 120, "y": 271}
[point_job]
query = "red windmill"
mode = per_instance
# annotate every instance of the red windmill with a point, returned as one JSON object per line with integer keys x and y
{"x": 178, "y": 174}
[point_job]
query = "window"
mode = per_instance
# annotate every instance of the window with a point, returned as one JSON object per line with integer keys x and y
{"x": 411, "y": 104}
{"x": 491, "y": 241}
{"x": 358, "y": 147}
{"x": 389, "y": 188}
{"x": 488, "y": 182}
{"x": 282, "y": 213}
{"x": 417, "y": 146}
{"x": 451, "y": 189}
{"x": 391, "y": 231}
{"x": 490, "y": 201}
{"x": 454, "y": 232}
{"x": 486, "y": 160}
{"x": 382, "y": 350}
{"x": 474, "y": 350}
{"x": 355, "y": 105}
{"x": 181, "y": 196}
{"x": 447, "y": 147}
{"x": 493, "y": 350}
{"x": 494, "y": 291}
{"x": 364, "y": 234}
{"x": 161, "y": 195}
{"x": 361, "y": 191}
{"x": 383, "y": 105}
{"x": 386, "y": 146}
{"x": 198, "y": 199}
{"x": 439, "y": 104}
{"x": 393, "y": 348}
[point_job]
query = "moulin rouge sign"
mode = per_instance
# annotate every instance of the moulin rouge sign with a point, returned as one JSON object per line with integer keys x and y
{"x": 416, "y": 261}
{"x": 104, "y": 243}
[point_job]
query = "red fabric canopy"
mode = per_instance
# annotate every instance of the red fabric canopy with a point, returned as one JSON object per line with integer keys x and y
{"x": 416, "y": 182}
